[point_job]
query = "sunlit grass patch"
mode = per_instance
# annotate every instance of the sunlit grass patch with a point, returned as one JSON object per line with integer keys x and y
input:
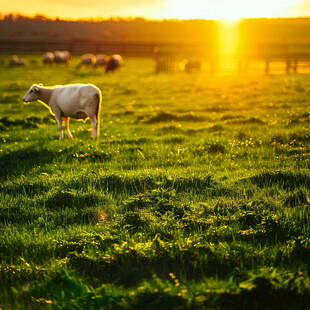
{"x": 251, "y": 120}
{"x": 7, "y": 97}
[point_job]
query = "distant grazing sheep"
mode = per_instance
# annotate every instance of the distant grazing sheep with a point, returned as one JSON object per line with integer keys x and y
{"x": 62, "y": 57}
{"x": 101, "y": 60}
{"x": 113, "y": 63}
{"x": 87, "y": 60}
{"x": 67, "y": 56}
{"x": 79, "y": 101}
{"x": 48, "y": 58}
{"x": 17, "y": 62}
{"x": 192, "y": 65}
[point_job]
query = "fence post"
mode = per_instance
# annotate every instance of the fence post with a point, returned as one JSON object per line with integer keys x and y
{"x": 213, "y": 65}
{"x": 155, "y": 57}
{"x": 295, "y": 65}
{"x": 267, "y": 66}
{"x": 288, "y": 65}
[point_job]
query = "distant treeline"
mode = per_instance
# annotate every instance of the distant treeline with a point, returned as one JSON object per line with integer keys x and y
{"x": 18, "y": 27}
{"x": 286, "y": 38}
{"x": 259, "y": 30}
{"x": 275, "y": 30}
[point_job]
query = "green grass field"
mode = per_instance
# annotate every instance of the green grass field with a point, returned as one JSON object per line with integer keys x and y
{"x": 196, "y": 195}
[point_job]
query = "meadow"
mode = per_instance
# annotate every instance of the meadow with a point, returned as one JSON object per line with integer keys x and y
{"x": 196, "y": 194}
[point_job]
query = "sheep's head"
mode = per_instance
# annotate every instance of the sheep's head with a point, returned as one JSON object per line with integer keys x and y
{"x": 32, "y": 94}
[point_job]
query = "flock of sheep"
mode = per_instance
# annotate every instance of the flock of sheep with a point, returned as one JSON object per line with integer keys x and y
{"x": 111, "y": 63}
{"x": 57, "y": 57}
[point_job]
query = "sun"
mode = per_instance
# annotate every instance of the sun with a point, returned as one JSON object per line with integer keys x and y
{"x": 228, "y": 9}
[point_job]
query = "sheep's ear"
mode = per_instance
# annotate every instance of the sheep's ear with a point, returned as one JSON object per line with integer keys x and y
{"x": 40, "y": 84}
{"x": 36, "y": 89}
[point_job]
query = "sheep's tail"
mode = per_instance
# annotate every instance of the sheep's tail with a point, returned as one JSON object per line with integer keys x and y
{"x": 99, "y": 97}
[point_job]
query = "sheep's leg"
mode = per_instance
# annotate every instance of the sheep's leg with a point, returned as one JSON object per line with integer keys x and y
{"x": 59, "y": 120}
{"x": 94, "y": 123}
{"x": 68, "y": 129}
{"x": 67, "y": 120}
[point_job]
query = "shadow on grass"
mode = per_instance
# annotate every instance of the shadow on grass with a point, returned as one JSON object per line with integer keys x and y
{"x": 164, "y": 117}
{"x": 7, "y": 123}
{"x": 24, "y": 160}
{"x": 285, "y": 179}
{"x": 120, "y": 184}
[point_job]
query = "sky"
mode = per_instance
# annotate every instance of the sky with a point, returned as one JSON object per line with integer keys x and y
{"x": 159, "y": 9}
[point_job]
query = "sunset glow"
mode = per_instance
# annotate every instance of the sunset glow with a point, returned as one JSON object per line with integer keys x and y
{"x": 228, "y": 9}
{"x": 160, "y": 9}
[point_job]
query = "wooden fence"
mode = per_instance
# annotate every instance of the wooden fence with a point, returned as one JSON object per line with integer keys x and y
{"x": 292, "y": 55}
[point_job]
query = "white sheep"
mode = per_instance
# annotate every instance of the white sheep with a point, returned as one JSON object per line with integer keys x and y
{"x": 67, "y": 55}
{"x": 78, "y": 101}
{"x": 101, "y": 60}
{"x": 113, "y": 62}
{"x": 86, "y": 60}
{"x": 48, "y": 58}
{"x": 62, "y": 57}
{"x": 17, "y": 61}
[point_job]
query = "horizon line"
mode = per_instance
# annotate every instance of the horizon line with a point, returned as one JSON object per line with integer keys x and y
{"x": 16, "y": 15}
